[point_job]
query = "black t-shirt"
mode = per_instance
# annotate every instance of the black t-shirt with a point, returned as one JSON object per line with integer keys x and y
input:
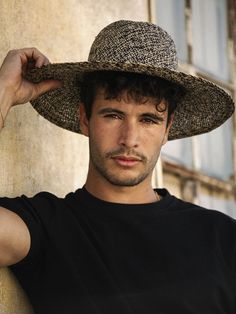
{"x": 89, "y": 256}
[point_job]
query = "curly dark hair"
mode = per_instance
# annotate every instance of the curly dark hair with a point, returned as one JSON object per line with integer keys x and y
{"x": 139, "y": 87}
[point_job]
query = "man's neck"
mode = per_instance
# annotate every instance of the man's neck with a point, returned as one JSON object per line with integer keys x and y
{"x": 138, "y": 194}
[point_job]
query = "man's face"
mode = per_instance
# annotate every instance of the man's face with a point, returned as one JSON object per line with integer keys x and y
{"x": 125, "y": 139}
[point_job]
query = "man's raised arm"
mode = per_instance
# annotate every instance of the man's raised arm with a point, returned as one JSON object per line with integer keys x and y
{"x": 14, "y": 90}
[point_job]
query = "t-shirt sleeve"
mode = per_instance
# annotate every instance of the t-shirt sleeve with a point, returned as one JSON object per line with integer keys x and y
{"x": 36, "y": 213}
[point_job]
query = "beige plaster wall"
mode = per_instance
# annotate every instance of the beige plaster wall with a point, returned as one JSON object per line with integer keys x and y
{"x": 36, "y": 155}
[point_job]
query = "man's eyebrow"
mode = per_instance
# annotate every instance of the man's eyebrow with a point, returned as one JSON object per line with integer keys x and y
{"x": 110, "y": 110}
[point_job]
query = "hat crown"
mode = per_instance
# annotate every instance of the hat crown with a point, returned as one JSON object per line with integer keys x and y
{"x": 134, "y": 42}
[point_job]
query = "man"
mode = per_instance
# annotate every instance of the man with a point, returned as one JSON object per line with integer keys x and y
{"x": 117, "y": 245}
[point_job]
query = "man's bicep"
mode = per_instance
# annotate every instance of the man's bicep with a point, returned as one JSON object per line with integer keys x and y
{"x": 14, "y": 238}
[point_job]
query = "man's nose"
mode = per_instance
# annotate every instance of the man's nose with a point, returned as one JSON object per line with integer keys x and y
{"x": 129, "y": 134}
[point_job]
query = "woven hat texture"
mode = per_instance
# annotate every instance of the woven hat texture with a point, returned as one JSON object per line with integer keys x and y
{"x": 138, "y": 47}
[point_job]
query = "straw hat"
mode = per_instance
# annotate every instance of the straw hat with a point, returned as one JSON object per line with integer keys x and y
{"x": 138, "y": 47}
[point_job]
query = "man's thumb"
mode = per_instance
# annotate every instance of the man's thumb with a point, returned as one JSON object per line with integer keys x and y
{"x": 45, "y": 86}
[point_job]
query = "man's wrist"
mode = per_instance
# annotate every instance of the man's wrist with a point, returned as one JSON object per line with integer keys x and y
{"x": 2, "y": 124}
{"x": 5, "y": 105}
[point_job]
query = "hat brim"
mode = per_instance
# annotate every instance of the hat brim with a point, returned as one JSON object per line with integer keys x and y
{"x": 204, "y": 107}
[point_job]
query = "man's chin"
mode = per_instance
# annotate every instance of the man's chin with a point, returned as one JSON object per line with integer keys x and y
{"x": 125, "y": 181}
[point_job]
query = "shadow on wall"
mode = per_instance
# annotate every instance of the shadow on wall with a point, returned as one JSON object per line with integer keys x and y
{"x": 12, "y": 297}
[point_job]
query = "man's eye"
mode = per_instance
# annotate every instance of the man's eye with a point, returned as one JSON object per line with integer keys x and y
{"x": 149, "y": 121}
{"x": 112, "y": 116}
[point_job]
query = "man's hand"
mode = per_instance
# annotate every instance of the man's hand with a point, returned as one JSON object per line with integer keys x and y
{"x": 13, "y": 86}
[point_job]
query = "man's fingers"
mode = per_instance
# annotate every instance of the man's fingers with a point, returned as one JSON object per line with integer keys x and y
{"x": 27, "y": 54}
{"x": 32, "y": 54}
{"x": 40, "y": 61}
{"x": 18, "y": 61}
{"x": 45, "y": 86}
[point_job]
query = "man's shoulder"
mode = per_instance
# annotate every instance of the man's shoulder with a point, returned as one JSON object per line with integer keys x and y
{"x": 40, "y": 202}
{"x": 196, "y": 209}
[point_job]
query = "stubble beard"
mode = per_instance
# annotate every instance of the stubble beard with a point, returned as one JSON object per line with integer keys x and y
{"x": 99, "y": 162}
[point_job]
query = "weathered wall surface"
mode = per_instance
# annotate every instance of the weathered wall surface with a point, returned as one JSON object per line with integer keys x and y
{"x": 36, "y": 155}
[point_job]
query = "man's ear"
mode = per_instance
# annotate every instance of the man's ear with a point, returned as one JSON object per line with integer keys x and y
{"x": 84, "y": 124}
{"x": 165, "y": 139}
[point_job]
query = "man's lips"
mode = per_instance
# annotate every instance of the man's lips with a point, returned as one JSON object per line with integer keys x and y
{"x": 126, "y": 160}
